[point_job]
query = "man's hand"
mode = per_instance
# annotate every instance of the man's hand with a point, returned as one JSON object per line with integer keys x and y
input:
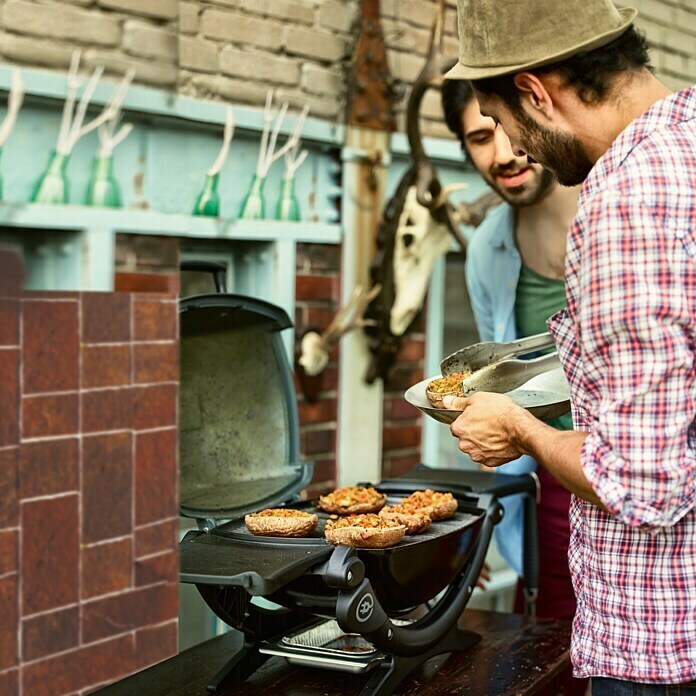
{"x": 486, "y": 429}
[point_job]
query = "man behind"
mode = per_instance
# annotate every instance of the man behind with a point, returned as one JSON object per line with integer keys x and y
{"x": 514, "y": 273}
{"x": 574, "y": 92}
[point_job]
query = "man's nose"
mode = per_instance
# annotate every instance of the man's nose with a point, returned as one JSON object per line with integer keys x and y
{"x": 504, "y": 152}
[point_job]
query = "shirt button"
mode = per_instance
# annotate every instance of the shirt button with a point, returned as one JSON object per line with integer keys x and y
{"x": 500, "y": 327}
{"x": 511, "y": 282}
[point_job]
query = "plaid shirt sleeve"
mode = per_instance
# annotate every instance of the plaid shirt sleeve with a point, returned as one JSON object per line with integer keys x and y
{"x": 639, "y": 456}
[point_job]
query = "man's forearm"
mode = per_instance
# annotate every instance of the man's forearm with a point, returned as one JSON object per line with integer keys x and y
{"x": 558, "y": 451}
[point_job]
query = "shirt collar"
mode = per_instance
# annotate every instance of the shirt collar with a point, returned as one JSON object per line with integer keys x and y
{"x": 678, "y": 107}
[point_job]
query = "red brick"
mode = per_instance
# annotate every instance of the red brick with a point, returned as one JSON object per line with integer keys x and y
{"x": 153, "y": 645}
{"x": 9, "y": 683}
{"x": 9, "y": 397}
{"x": 50, "y": 537}
{"x": 154, "y": 406}
{"x": 9, "y": 487}
{"x": 106, "y": 317}
{"x": 156, "y": 474}
{"x": 318, "y": 441}
{"x": 9, "y": 551}
{"x": 50, "y": 415}
{"x": 147, "y": 251}
{"x": 105, "y": 617}
{"x": 107, "y": 409}
{"x": 402, "y": 410}
{"x": 11, "y": 273}
{"x": 156, "y": 537}
{"x": 50, "y": 633}
{"x": 70, "y": 672}
{"x": 48, "y": 467}
{"x": 402, "y": 378}
{"x": 320, "y": 317}
{"x": 157, "y": 362}
{"x": 107, "y": 485}
{"x": 320, "y": 257}
{"x": 9, "y": 322}
{"x": 323, "y": 411}
{"x": 50, "y": 344}
{"x": 106, "y": 568}
{"x": 398, "y": 466}
{"x": 317, "y": 287}
{"x": 155, "y": 320}
{"x": 330, "y": 379}
{"x": 147, "y": 282}
{"x": 106, "y": 366}
{"x": 400, "y": 438}
{"x": 9, "y": 621}
{"x": 411, "y": 351}
{"x": 163, "y": 567}
{"x": 324, "y": 470}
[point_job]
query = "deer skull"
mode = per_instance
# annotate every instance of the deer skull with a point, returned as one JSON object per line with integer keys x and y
{"x": 420, "y": 242}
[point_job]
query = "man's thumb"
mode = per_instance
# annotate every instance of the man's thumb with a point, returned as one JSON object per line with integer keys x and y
{"x": 455, "y": 403}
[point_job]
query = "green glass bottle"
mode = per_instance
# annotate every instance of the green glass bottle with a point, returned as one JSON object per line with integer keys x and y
{"x": 103, "y": 189}
{"x": 288, "y": 205}
{"x": 1, "y": 181}
{"x": 253, "y": 206}
{"x": 208, "y": 201}
{"x": 52, "y": 187}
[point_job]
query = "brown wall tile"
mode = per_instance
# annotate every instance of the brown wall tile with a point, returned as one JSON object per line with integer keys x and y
{"x": 397, "y": 438}
{"x": 153, "y": 645}
{"x": 50, "y": 340}
{"x": 106, "y": 366}
{"x": 50, "y": 633}
{"x": 70, "y": 672}
{"x": 107, "y": 409}
{"x": 107, "y": 480}
{"x": 161, "y": 568}
{"x": 318, "y": 441}
{"x": 323, "y": 411}
{"x": 9, "y": 551}
{"x": 154, "y": 406}
{"x": 50, "y": 415}
{"x": 156, "y": 537}
{"x": 106, "y": 317}
{"x": 147, "y": 282}
{"x": 155, "y": 320}
{"x": 9, "y": 485}
{"x": 49, "y": 466}
{"x": 9, "y": 397}
{"x": 157, "y": 362}
{"x": 398, "y": 466}
{"x": 400, "y": 409}
{"x": 317, "y": 287}
{"x": 9, "y": 322}
{"x": 156, "y": 473}
{"x": 107, "y": 568}
{"x": 124, "y": 612}
{"x": 9, "y": 683}
{"x": 49, "y": 538}
{"x": 11, "y": 272}
{"x": 9, "y": 621}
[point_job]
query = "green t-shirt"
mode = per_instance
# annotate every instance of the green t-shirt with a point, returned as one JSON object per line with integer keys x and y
{"x": 537, "y": 298}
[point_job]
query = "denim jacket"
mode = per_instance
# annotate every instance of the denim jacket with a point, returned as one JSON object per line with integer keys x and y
{"x": 492, "y": 269}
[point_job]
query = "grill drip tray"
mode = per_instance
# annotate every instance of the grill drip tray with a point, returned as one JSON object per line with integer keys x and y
{"x": 330, "y": 647}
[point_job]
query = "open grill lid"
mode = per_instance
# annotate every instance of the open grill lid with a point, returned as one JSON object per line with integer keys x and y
{"x": 239, "y": 429}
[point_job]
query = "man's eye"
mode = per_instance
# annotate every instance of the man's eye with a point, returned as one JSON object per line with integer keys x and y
{"x": 481, "y": 140}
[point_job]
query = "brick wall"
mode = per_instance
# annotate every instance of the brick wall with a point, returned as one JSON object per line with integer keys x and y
{"x": 88, "y": 477}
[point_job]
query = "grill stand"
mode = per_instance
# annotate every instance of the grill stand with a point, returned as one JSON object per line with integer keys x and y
{"x": 358, "y": 611}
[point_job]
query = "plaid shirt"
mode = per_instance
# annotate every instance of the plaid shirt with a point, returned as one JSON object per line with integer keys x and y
{"x": 627, "y": 342}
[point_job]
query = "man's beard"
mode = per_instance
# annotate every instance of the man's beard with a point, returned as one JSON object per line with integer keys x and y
{"x": 542, "y": 184}
{"x": 560, "y": 153}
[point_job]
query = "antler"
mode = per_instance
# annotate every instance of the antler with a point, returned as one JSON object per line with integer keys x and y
{"x": 315, "y": 347}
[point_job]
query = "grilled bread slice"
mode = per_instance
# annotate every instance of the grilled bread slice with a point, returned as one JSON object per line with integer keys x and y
{"x": 281, "y": 522}
{"x": 368, "y": 531}
{"x": 352, "y": 500}
{"x": 439, "y": 506}
{"x": 415, "y": 519}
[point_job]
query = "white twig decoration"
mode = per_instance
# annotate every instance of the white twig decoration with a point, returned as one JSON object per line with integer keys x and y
{"x": 109, "y": 138}
{"x": 71, "y": 128}
{"x": 267, "y": 153}
{"x": 14, "y": 103}
{"x": 226, "y": 140}
{"x": 292, "y": 161}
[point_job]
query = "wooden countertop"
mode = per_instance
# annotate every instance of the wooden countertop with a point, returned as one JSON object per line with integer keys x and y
{"x": 517, "y": 655}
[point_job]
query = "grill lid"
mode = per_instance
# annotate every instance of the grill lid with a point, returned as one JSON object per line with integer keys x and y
{"x": 239, "y": 428}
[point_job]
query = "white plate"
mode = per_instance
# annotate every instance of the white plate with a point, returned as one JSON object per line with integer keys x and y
{"x": 545, "y": 396}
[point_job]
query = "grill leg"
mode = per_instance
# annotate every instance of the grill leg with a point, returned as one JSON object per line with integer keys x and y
{"x": 395, "y": 669}
{"x": 245, "y": 660}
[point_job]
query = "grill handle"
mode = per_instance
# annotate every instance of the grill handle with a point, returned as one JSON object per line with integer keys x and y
{"x": 218, "y": 271}
{"x": 359, "y": 611}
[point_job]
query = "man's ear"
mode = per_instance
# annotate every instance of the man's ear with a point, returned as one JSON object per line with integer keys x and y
{"x": 534, "y": 91}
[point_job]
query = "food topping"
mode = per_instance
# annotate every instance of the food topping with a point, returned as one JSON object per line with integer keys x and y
{"x": 406, "y": 508}
{"x": 448, "y": 383}
{"x": 281, "y": 512}
{"x": 354, "y": 495}
{"x": 427, "y": 497}
{"x": 367, "y": 520}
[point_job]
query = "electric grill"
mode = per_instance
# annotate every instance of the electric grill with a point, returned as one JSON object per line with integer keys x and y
{"x": 302, "y": 598}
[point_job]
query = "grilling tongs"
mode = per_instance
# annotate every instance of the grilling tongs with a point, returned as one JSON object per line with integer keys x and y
{"x": 492, "y": 368}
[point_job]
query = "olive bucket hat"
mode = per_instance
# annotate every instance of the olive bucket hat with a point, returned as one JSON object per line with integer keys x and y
{"x": 498, "y": 37}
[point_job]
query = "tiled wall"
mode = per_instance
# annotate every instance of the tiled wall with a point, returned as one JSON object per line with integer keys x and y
{"x": 88, "y": 484}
